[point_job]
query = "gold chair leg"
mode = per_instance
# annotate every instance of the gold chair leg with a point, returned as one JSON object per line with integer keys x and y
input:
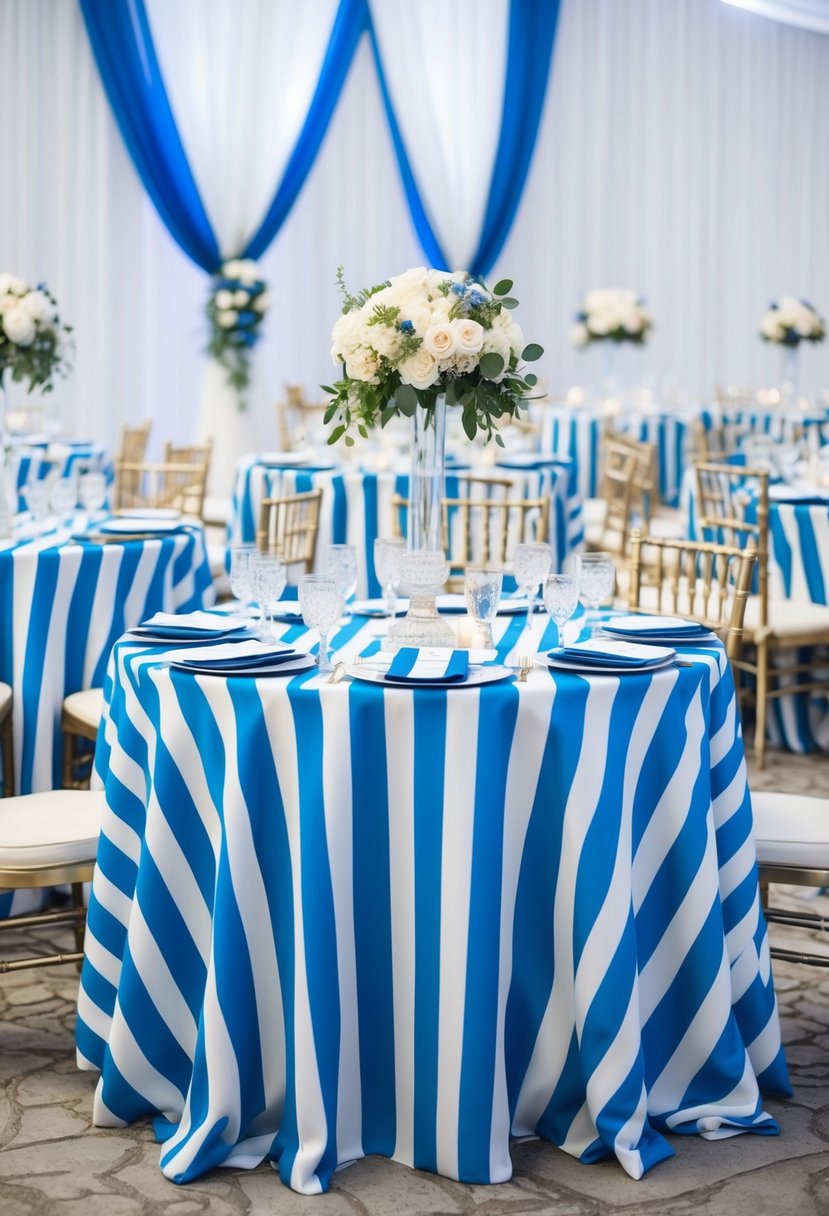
{"x": 762, "y": 704}
{"x": 68, "y": 760}
{"x": 8, "y": 759}
{"x": 80, "y": 925}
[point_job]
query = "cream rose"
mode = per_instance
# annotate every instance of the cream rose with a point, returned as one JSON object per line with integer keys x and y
{"x": 227, "y": 318}
{"x": 19, "y": 326}
{"x": 224, "y": 299}
{"x": 771, "y": 328}
{"x": 469, "y": 337}
{"x": 420, "y": 369}
{"x": 240, "y": 298}
{"x": 362, "y": 364}
{"x": 38, "y": 306}
{"x": 439, "y": 340}
{"x": 262, "y": 302}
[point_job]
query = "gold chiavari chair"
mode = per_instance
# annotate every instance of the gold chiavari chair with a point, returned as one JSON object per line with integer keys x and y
{"x": 645, "y": 492}
{"x": 477, "y": 531}
{"x": 180, "y": 486}
{"x": 133, "y": 445}
{"x": 47, "y": 840}
{"x": 772, "y": 625}
{"x": 706, "y": 582}
{"x": 616, "y": 495}
{"x": 7, "y": 739}
{"x": 288, "y": 527}
{"x": 297, "y": 417}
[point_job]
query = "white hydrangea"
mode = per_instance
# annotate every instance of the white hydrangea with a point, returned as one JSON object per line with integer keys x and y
{"x": 421, "y": 369}
{"x": 39, "y": 307}
{"x": 610, "y": 312}
{"x": 791, "y": 320}
{"x": 19, "y": 326}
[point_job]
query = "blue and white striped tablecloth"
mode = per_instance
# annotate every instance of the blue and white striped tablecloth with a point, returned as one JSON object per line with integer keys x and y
{"x": 781, "y": 424}
{"x": 330, "y": 920}
{"x": 357, "y": 505}
{"x": 577, "y": 433}
{"x": 36, "y": 461}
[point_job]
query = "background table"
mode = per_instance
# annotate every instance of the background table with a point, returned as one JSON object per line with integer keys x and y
{"x": 35, "y": 461}
{"x": 357, "y": 503}
{"x": 333, "y": 920}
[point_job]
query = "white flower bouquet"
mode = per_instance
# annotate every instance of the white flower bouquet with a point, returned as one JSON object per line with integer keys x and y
{"x": 789, "y": 322}
{"x": 236, "y": 309}
{"x": 610, "y": 314}
{"x": 423, "y": 333}
{"x": 34, "y": 344}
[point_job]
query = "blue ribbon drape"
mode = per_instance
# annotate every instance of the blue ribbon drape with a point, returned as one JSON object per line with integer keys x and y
{"x": 122, "y": 43}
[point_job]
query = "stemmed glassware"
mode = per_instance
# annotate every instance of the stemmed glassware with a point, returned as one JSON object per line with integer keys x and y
{"x": 92, "y": 492}
{"x": 561, "y": 597}
{"x": 387, "y": 555}
{"x": 597, "y": 578}
{"x": 240, "y": 558}
{"x": 63, "y": 499}
{"x": 267, "y": 576}
{"x": 36, "y": 496}
{"x": 531, "y": 566}
{"x": 341, "y": 565}
{"x": 321, "y": 603}
{"x": 482, "y": 589}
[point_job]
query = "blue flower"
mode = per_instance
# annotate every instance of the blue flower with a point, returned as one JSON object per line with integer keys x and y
{"x": 406, "y": 327}
{"x": 475, "y": 298}
{"x": 458, "y": 289}
{"x": 247, "y": 317}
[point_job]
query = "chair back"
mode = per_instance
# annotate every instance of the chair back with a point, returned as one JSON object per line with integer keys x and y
{"x": 133, "y": 446}
{"x": 297, "y": 417}
{"x": 617, "y": 490}
{"x": 478, "y": 531}
{"x": 645, "y": 490}
{"x": 288, "y": 527}
{"x": 180, "y": 486}
{"x": 709, "y": 583}
{"x": 722, "y": 499}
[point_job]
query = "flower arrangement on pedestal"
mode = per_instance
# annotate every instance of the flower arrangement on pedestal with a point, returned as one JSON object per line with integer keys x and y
{"x": 610, "y": 314}
{"x": 789, "y": 322}
{"x": 236, "y": 310}
{"x": 425, "y": 333}
{"x": 34, "y": 344}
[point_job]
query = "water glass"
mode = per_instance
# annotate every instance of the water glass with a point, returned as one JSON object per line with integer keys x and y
{"x": 268, "y": 576}
{"x": 482, "y": 589}
{"x": 240, "y": 574}
{"x": 561, "y": 597}
{"x": 63, "y": 498}
{"x": 321, "y": 603}
{"x": 597, "y": 578}
{"x": 532, "y": 565}
{"x": 341, "y": 565}
{"x": 36, "y": 496}
{"x": 92, "y": 492}
{"x": 387, "y": 555}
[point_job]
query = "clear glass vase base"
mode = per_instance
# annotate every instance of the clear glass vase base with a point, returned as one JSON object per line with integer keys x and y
{"x": 422, "y": 626}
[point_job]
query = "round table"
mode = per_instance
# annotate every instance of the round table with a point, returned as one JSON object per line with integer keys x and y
{"x": 36, "y": 461}
{"x": 357, "y": 502}
{"x": 330, "y": 920}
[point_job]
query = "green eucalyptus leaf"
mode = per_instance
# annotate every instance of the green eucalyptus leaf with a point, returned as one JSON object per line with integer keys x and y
{"x": 406, "y": 399}
{"x": 336, "y": 434}
{"x": 509, "y": 302}
{"x": 491, "y": 365}
{"x": 349, "y": 441}
{"x": 387, "y": 414}
{"x": 470, "y": 423}
{"x": 532, "y": 352}
{"x": 329, "y": 413}
{"x": 502, "y": 288}
{"x": 499, "y": 440}
{"x": 531, "y": 380}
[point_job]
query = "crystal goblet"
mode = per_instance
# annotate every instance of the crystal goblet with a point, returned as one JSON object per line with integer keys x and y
{"x": 387, "y": 555}
{"x": 240, "y": 557}
{"x": 597, "y": 577}
{"x": 482, "y": 590}
{"x": 268, "y": 576}
{"x": 561, "y": 597}
{"x": 531, "y": 566}
{"x": 341, "y": 565}
{"x": 321, "y": 603}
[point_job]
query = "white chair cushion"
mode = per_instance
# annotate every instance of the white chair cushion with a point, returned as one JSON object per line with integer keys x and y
{"x": 58, "y": 827}
{"x": 594, "y": 511}
{"x": 667, "y": 524}
{"x": 5, "y": 700}
{"x": 790, "y": 618}
{"x": 791, "y": 829}
{"x": 87, "y": 706}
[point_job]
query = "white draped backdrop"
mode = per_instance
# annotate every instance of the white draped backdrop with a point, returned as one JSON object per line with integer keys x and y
{"x": 683, "y": 151}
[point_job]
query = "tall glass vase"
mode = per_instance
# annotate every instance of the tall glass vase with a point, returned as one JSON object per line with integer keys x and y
{"x": 789, "y": 376}
{"x": 423, "y": 567}
{"x": 8, "y": 477}
{"x": 611, "y": 377}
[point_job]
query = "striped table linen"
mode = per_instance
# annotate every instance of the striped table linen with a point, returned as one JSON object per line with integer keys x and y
{"x": 783, "y": 425}
{"x": 36, "y": 461}
{"x": 577, "y": 433}
{"x": 357, "y": 505}
{"x": 330, "y": 920}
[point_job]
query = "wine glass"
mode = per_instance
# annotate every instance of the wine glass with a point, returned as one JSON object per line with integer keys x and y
{"x": 63, "y": 499}
{"x": 321, "y": 603}
{"x": 482, "y": 589}
{"x": 240, "y": 557}
{"x": 341, "y": 565}
{"x": 92, "y": 492}
{"x": 561, "y": 597}
{"x": 387, "y": 554}
{"x": 531, "y": 566}
{"x": 597, "y": 577}
{"x": 36, "y": 495}
{"x": 268, "y": 576}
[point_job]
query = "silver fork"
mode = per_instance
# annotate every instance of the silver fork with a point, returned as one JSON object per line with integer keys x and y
{"x": 337, "y": 674}
{"x": 525, "y": 666}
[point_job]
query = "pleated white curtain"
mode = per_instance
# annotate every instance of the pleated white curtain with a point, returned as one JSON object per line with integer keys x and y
{"x": 684, "y": 151}
{"x": 445, "y": 77}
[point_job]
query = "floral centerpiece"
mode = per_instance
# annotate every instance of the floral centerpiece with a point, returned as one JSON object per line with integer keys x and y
{"x": 610, "y": 314}
{"x": 412, "y": 346}
{"x": 789, "y": 322}
{"x": 236, "y": 310}
{"x": 34, "y": 345}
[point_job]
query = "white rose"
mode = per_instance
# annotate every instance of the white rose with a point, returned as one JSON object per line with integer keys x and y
{"x": 262, "y": 302}
{"x": 469, "y": 337}
{"x": 439, "y": 340}
{"x": 227, "y": 318}
{"x": 362, "y": 364}
{"x": 346, "y": 334}
{"x": 515, "y": 335}
{"x": 10, "y": 284}
{"x": 601, "y": 323}
{"x": 248, "y": 272}
{"x": 240, "y": 298}
{"x": 385, "y": 340}
{"x": 579, "y": 334}
{"x": 7, "y": 302}
{"x": 224, "y": 298}
{"x": 19, "y": 326}
{"x": 771, "y": 328}
{"x": 420, "y": 369}
{"x": 233, "y": 269}
{"x": 38, "y": 306}
{"x": 631, "y": 321}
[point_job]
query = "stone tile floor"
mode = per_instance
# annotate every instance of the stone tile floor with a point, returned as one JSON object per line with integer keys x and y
{"x": 54, "y": 1163}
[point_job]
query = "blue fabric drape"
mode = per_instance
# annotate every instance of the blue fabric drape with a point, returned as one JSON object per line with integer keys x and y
{"x": 532, "y": 31}
{"x": 122, "y": 43}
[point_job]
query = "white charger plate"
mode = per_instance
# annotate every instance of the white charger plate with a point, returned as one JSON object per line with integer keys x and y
{"x": 591, "y": 669}
{"x": 138, "y": 525}
{"x": 303, "y": 662}
{"x": 153, "y": 513}
{"x": 476, "y": 677}
{"x": 672, "y": 639}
